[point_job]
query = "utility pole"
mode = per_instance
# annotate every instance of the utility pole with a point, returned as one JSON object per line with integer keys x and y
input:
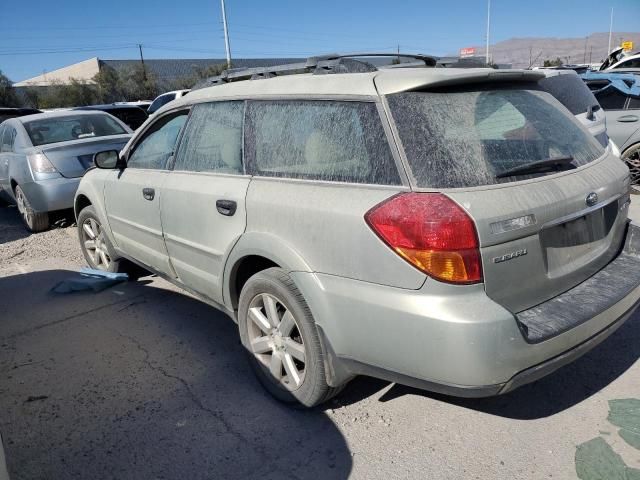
{"x": 590, "y": 53}
{"x": 144, "y": 69}
{"x": 226, "y": 35}
{"x": 488, "y": 28}
{"x": 610, "y": 30}
{"x": 584, "y": 58}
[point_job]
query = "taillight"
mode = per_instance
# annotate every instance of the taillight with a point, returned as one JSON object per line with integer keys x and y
{"x": 40, "y": 163}
{"x": 432, "y": 233}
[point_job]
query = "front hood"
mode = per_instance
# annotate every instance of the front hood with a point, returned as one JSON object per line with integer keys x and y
{"x": 73, "y": 158}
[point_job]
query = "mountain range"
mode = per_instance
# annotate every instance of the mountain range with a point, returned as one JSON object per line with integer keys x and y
{"x": 533, "y": 51}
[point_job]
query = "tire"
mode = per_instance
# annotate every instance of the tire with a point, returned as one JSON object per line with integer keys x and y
{"x": 97, "y": 249}
{"x": 34, "y": 221}
{"x": 631, "y": 156}
{"x": 273, "y": 294}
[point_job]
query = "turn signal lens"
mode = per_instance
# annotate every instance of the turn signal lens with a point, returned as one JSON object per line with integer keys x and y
{"x": 432, "y": 233}
{"x": 40, "y": 164}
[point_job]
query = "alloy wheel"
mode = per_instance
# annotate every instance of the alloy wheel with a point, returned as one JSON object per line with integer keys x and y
{"x": 632, "y": 159}
{"x": 93, "y": 240}
{"x": 276, "y": 341}
{"x": 23, "y": 207}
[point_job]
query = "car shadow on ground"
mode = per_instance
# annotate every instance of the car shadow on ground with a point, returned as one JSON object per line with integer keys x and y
{"x": 143, "y": 382}
{"x": 559, "y": 391}
{"x": 11, "y": 227}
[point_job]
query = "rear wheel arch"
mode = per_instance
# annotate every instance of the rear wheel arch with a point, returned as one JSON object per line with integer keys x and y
{"x": 253, "y": 253}
{"x": 243, "y": 270}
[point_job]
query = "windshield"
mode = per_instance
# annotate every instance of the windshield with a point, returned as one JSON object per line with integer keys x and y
{"x": 466, "y": 138}
{"x": 71, "y": 127}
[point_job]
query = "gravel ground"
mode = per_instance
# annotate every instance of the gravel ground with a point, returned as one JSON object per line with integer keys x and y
{"x": 142, "y": 381}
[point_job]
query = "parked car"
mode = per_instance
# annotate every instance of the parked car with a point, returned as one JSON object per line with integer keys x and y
{"x": 42, "y": 158}
{"x": 618, "y": 59}
{"x": 132, "y": 115}
{"x": 619, "y": 96}
{"x": 7, "y": 113}
{"x": 439, "y": 228}
{"x": 162, "y": 100}
{"x": 143, "y": 104}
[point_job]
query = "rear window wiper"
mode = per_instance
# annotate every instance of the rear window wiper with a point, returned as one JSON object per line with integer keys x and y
{"x": 540, "y": 166}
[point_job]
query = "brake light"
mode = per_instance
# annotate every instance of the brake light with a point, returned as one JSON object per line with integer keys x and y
{"x": 432, "y": 233}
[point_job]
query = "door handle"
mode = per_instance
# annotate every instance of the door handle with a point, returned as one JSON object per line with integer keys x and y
{"x": 628, "y": 119}
{"x": 226, "y": 207}
{"x": 148, "y": 193}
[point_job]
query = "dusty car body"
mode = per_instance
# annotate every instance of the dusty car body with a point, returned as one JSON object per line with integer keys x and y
{"x": 440, "y": 228}
{"x": 43, "y": 157}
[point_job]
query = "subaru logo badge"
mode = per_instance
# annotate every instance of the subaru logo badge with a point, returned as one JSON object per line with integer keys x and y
{"x": 592, "y": 199}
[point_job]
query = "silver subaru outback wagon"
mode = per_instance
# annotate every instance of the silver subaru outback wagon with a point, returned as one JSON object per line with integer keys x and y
{"x": 454, "y": 230}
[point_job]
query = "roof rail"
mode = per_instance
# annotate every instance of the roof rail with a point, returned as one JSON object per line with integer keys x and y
{"x": 318, "y": 65}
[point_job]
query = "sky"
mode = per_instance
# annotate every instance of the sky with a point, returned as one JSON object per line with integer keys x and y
{"x": 42, "y": 35}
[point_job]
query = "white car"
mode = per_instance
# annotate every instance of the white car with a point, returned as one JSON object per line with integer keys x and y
{"x": 162, "y": 100}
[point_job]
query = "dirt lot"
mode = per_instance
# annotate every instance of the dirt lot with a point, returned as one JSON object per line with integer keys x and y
{"x": 142, "y": 381}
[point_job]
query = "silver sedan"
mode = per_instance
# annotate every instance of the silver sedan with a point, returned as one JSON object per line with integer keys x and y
{"x": 43, "y": 157}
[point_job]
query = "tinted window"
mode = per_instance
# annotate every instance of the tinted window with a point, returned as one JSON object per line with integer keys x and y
{"x": 320, "y": 140}
{"x": 161, "y": 101}
{"x": 71, "y": 127}
{"x": 570, "y": 91}
{"x": 634, "y": 103}
{"x": 611, "y": 99}
{"x": 466, "y": 138}
{"x": 633, "y": 63}
{"x": 213, "y": 139}
{"x": 158, "y": 144}
{"x": 131, "y": 116}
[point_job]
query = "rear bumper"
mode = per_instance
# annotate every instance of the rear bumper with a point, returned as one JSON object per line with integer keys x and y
{"x": 453, "y": 340}
{"x": 52, "y": 194}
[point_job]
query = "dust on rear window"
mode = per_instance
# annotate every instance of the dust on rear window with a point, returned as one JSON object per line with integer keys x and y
{"x": 456, "y": 139}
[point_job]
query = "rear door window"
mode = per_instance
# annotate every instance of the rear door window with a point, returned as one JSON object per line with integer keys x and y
{"x": 460, "y": 138}
{"x": 319, "y": 140}
{"x": 611, "y": 99}
{"x": 212, "y": 141}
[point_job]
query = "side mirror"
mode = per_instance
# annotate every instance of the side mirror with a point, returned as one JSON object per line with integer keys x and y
{"x": 108, "y": 160}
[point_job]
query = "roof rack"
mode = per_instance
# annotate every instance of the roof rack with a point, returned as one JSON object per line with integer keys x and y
{"x": 317, "y": 65}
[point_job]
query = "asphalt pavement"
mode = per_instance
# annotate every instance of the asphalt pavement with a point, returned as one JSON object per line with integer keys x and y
{"x": 142, "y": 381}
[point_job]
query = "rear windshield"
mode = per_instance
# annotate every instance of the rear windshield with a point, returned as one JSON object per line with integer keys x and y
{"x": 458, "y": 138}
{"x": 570, "y": 91}
{"x": 71, "y": 127}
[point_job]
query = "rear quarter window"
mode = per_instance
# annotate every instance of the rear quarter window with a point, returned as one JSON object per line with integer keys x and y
{"x": 319, "y": 140}
{"x": 570, "y": 91}
{"x": 456, "y": 139}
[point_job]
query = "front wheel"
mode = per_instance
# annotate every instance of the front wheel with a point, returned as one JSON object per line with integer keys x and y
{"x": 97, "y": 249}
{"x": 280, "y": 336}
{"x": 34, "y": 221}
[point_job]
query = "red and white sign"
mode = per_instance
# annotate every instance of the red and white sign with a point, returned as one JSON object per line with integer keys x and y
{"x": 467, "y": 52}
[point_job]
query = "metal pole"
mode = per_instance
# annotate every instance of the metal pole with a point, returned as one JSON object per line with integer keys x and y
{"x": 226, "y": 35}
{"x": 610, "y": 30}
{"x": 488, "y": 27}
{"x": 144, "y": 70}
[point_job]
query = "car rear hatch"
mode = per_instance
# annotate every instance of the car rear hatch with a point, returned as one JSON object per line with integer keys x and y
{"x": 73, "y": 158}
{"x": 548, "y": 202}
